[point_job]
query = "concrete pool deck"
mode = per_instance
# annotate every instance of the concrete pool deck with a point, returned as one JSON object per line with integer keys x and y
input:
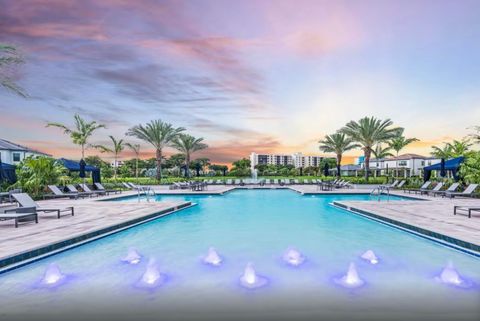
{"x": 432, "y": 218}
{"x": 92, "y": 219}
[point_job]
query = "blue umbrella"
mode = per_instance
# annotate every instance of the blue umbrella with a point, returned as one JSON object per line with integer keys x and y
{"x": 443, "y": 172}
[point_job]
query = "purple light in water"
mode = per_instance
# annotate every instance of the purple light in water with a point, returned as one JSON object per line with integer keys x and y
{"x": 351, "y": 279}
{"x": 370, "y": 257}
{"x": 212, "y": 257}
{"x": 293, "y": 257}
{"x": 53, "y": 276}
{"x": 250, "y": 279}
{"x": 152, "y": 277}
{"x": 132, "y": 257}
{"x": 450, "y": 276}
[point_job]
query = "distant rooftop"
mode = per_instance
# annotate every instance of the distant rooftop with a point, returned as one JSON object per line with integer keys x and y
{"x": 408, "y": 156}
{"x": 7, "y": 145}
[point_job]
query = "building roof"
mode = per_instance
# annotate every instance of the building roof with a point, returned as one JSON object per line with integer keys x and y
{"x": 407, "y": 156}
{"x": 7, "y": 145}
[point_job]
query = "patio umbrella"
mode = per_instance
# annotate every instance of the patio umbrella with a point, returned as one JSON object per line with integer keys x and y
{"x": 301, "y": 171}
{"x": 197, "y": 168}
{"x": 443, "y": 172}
{"x": 224, "y": 172}
{"x": 386, "y": 169}
{"x": 325, "y": 169}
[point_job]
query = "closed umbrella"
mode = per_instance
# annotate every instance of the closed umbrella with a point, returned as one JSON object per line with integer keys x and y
{"x": 325, "y": 169}
{"x": 81, "y": 173}
{"x": 2, "y": 173}
{"x": 443, "y": 172}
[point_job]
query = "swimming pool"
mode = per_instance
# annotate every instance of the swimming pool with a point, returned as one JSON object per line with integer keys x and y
{"x": 254, "y": 226}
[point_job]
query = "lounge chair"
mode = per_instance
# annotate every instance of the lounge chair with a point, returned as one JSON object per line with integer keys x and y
{"x": 100, "y": 187}
{"x": 393, "y": 185}
{"x": 24, "y": 200}
{"x": 296, "y": 181}
{"x": 400, "y": 185}
{"x": 73, "y": 189}
{"x": 466, "y": 193}
{"x": 57, "y": 193}
{"x": 451, "y": 188}
{"x": 20, "y": 214}
{"x": 437, "y": 188}
{"x": 468, "y": 209}
{"x": 127, "y": 186}
{"x": 87, "y": 189}
{"x": 275, "y": 182}
{"x": 422, "y": 189}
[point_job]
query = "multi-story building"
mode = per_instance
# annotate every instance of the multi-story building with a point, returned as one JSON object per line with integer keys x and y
{"x": 11, "y": 153}
{"x": 297, "y": 159}
{"x": 403, "y": 165}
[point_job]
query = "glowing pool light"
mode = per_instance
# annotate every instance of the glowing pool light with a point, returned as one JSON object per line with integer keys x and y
{"x": 351, "y": 279}
{"x": 152, "y": 276}
{"x": 250, "y": 279}
{"x": 132, "y": 257}
{"x": 212, "y": 258}
{"x": 370, "y": 257}
{"x": 293, "y": 257}
{"x": 450, "y": 276}
{"x": 53, "y": 275}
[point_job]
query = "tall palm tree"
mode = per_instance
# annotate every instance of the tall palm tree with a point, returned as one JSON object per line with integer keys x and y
{"x": 81, "y": 133}
{"x": 476, "y": 136}
{"x": 159, "y": 134}
{"x": 136, "y": 149}
{"x": 118, "y": 147}
{"x": 368, "y": 132}
{"x": 187, "y": 145}
{"x": 337, "y": 143}
{"x": 9, "y": 58}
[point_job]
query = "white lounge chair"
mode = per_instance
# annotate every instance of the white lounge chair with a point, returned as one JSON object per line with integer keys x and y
{"x": 466, "y": 193}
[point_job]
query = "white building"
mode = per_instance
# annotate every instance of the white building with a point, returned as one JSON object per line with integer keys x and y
{"x": 11, "y": 153}
{"x": 297, "y": 159}
{"x": 404, "y": 165}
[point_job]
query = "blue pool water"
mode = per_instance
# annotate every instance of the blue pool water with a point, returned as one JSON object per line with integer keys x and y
{"x": 253, "y": 226}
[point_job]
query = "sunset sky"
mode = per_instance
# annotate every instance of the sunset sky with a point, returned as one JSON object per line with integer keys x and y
{"x": 263, "y": 76}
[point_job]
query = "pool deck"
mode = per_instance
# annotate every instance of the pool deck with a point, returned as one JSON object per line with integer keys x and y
{"x": 92, "y": 219}
{"x": 432, "y": 218}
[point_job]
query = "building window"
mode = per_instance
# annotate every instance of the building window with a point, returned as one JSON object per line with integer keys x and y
{"x": 16, "y": 157}
{"x": 402, "y": 163}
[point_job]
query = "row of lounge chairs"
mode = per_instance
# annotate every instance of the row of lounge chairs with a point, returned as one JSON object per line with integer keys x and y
{"x": 451, "y": 191}
{"x": 73, "y": 192}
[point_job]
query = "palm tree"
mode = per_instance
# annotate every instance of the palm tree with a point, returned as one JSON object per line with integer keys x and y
{"x": 456, "y": 148}
{"x": 187, "y": 145}
{"x": 476, "y": 136}
{"x": 398, "y": 143}
{"x": 379, "y": 152}
{"x": 118, "y": 146}
{"x": 136, "y": 149}
{"x": 337, "y": 143}
{"x": 368, "y": 132}
{"x": 10, "y": 57}
{"x": 160, "y": 135}
{"x": 442, "y": 152}
{"x": 82, "y": 132}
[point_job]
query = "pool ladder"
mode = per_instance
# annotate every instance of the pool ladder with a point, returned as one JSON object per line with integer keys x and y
{"x": 381, "y": 190}
{"x": 147, "y": 191}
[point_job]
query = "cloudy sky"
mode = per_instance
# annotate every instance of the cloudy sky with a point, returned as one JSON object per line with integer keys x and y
{"x": 264, "y": 76}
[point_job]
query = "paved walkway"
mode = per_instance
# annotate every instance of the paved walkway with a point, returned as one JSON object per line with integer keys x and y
{"x": 90, "y": 216}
